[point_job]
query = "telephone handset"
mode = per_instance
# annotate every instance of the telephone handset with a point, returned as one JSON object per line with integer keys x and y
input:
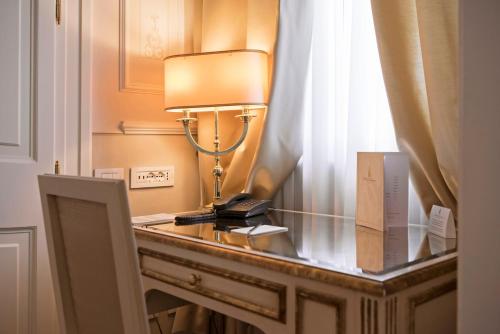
{"x": 240, "y": 206}
{"x": 230, "y": 200}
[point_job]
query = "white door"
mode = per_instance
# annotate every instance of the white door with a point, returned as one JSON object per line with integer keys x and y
{"x": 27, "y": 148}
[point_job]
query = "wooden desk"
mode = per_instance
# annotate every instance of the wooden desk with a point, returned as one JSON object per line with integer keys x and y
{"x": 324, "y": 275}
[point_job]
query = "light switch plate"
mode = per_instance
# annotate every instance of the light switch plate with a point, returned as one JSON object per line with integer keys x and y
{"x": 151, "y": 177}
{"x": 109, "y": 173}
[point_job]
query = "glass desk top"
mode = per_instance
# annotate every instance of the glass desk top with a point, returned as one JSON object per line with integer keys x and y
{"x": 328, "y": 242}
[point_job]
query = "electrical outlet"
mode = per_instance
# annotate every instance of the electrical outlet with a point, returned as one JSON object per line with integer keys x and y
{"x": 109, "y": 173}
{"x": 151, "y": 177}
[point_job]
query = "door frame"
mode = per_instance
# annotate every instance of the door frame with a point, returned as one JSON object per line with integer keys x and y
{"x": 86, "y": 87}
{"x": 74, "y": 81}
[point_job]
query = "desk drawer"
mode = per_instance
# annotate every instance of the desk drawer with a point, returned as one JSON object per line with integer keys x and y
{"x": 246, "y": 292}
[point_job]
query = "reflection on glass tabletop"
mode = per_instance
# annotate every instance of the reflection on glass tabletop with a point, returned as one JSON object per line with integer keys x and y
{"x": 329, "y": 242}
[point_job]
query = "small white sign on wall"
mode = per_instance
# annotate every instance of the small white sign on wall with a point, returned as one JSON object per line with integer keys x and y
{"x": 441, "y": 222}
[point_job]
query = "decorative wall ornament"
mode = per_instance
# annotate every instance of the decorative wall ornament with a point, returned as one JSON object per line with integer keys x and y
{"x": 153, "y": 43}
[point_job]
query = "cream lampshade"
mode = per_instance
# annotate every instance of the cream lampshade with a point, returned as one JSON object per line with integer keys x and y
{"x": 203, "y": 81}
{"x": 216, "y": 81}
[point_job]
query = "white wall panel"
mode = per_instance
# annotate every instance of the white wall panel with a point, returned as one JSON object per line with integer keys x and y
{"x": 150, "y": 30}
{"x": 16, "y": 93}
{"x": 16, "y": 288}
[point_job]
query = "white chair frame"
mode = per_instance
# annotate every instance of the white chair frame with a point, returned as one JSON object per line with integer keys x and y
{"x": 111, "y": 193}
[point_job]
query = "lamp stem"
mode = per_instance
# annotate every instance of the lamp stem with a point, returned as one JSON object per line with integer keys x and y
{"x": 217, "y": 171}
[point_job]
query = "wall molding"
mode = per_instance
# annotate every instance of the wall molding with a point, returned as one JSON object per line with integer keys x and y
{"x": 125, "y": 84}
{"x": 172, "y": 39}
{"x": 141, "y": 128}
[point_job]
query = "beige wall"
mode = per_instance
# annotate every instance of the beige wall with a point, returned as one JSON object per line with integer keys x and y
{"x": 126, "y": 151}
{"x": 112, "y": 103}
{"x": 221, "y": 24}
{"x": 224, "y": 25}
{"x": 239, "y": 24}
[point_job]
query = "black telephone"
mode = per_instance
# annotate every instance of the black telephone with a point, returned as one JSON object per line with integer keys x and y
{"x": 240, "y": 206}
{"x": 234, "y": 206}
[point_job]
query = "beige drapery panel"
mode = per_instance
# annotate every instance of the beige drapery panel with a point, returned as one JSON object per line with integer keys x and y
{"x": 417, "y": 41}
{"x": 280, "y": 145}
{"x": 274, "y": 143}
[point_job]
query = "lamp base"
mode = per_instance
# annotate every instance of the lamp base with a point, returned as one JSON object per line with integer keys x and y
{"x": 217, "y": 173}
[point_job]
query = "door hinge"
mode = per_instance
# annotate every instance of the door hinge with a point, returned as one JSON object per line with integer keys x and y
{"x": 58, "y": 12}
{"x": 57, "y": 168}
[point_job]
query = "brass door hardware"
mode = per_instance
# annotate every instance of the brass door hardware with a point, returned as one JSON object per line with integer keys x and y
{"x": 194, "y": 280}
{"x": 58, "y": 12}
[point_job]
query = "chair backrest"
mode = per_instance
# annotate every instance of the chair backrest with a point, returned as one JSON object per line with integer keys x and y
{"x": 93, "y": 255}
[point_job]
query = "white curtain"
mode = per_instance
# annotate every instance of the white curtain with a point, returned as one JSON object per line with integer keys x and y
{"x": 347, "y": 112}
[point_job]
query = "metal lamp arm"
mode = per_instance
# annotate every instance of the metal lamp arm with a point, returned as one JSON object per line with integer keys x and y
{"x": 245, "y": 116}
{"x": 193, "y": 142}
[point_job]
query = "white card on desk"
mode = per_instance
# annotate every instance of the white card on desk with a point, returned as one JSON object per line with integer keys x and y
{"x": 157, "y": 218}
{"x": 442, "y": 223}
{"x": 261, "y": 229}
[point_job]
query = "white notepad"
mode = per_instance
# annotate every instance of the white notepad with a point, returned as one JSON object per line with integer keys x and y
{"x": 260, "y": 230}
{"x": 157, "y": 218}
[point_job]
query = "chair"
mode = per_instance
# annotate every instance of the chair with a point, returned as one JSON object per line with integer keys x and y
{"x": 93, "y": 255}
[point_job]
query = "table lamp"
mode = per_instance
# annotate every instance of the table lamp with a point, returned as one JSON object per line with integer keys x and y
{"x": 214, "y": 82}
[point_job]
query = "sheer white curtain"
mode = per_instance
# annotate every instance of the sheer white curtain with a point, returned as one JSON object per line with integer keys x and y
{"x": 348, "y": 111}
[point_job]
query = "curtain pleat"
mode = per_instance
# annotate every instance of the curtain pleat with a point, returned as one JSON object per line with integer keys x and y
{"x": 417, "y": 41}
{"x": 280, "y": 146}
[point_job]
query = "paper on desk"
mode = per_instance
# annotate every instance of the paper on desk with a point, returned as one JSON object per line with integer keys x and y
{"x": 262, "y": 229}
{"x": 157, "y": 218}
